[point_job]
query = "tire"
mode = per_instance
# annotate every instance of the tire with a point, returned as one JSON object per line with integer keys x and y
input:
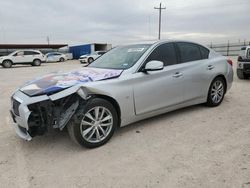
{"x": 36, "y": 62}
{"x": 61, "y": 59}
{"x": 90, "y": 60}
{"x": 241, "y": 74}
{"x": 216, "y": 92}
{"x": 84, "y": 128}
{"x": 7, "y": 64}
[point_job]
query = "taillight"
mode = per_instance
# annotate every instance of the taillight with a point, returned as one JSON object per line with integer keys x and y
{"x": 229, "y": 61}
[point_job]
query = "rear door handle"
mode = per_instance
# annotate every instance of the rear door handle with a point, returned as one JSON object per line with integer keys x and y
{"x": 177, "y": 75}
{"x": 210, "y": 67}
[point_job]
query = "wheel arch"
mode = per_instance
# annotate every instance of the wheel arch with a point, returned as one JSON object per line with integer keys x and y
{"x": 36, "y": 59}
{"x": 8, "y": 60}
{"x": 113, "y": 102}
{"x": 218, "y": 76}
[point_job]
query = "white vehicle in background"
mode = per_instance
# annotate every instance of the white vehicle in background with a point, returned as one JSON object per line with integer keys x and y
{"x": 243, "y": 64}
{"x": 89, "y": 58}
{"x": 33, "y": 57}
{"x": 55, "y": 57}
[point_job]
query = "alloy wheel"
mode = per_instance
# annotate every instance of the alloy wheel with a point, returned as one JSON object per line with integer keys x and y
{"x": 96, "y": 124}
{"x": 217, "y": 91}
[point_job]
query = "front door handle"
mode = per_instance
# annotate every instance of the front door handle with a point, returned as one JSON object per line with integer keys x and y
{"x": 177, "y": 75}
{"x": 210, "y": 67}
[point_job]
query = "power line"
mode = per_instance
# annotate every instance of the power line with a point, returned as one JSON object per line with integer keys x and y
{"x": 159, "y": 8}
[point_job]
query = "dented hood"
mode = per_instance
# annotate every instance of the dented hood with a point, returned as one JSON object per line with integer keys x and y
{"x": 59, "y": 81}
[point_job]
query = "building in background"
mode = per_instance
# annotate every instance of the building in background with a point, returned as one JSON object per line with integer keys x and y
{"x": 79, "y": 50}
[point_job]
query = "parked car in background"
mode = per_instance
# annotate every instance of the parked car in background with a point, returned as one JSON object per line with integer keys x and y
{"x": 55, "y": 57}
{"x": 127, "y": 84}
{"x": 33, "y": 57}
{"x": 89, "y": 58}
{"x": 243, "y": 64}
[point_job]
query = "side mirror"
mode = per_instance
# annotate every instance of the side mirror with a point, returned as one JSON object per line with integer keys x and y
{"x": 153, "y": 66}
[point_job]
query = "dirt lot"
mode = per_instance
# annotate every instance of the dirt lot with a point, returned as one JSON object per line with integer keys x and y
{"x": 193, "y": 147}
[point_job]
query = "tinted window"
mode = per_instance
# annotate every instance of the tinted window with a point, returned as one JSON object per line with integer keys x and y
{"x": 189, "y": 52}
{"x": 30, "y": 53}
{"x": 20, "y": 53}
{"x": 204, "y": 52}
{"x": 165, "y": 53}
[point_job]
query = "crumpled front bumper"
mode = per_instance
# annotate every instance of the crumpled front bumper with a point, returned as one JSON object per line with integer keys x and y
{"x": 20, "y": 112}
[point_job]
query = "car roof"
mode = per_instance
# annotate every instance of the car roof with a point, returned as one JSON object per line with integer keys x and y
{"x": 156, "y": 42}
{"x": 27, "y": 50}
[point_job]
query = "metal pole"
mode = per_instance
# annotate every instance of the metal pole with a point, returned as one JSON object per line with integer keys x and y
{"x": 159, "y": 8}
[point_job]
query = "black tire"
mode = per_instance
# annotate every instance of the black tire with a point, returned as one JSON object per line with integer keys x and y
{"x": 241, "y": 74}
{"x": 7, "y": 64}
{"x": 75, "y": 126}
{"x": 61, "y": 59}
{"x": 36, "y": 62}
{"x": 210, "y": 100}
{"x": 90, "y": 60}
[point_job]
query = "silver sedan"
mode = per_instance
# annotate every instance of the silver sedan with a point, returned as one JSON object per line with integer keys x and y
{"x": 125, "y": 85}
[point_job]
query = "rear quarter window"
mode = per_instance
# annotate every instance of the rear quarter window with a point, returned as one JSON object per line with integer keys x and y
{"x": 189, "y": 52}
{"x": 204, "y": 52}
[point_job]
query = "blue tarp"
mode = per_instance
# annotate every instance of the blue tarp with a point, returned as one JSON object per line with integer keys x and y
{"x": 77, "y": 51}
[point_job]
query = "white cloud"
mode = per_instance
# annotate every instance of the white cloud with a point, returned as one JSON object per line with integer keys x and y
{"x": 122, "y": 21}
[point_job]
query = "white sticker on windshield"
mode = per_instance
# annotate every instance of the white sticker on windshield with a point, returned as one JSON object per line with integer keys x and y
{"x": 135, "y": 49}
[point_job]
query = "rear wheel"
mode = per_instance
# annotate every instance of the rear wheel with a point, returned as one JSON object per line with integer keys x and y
{"x": 7, "y": 64}
{"x": 90, "y": 60}
{"x": 241, "y": 74}
{"x": 61, "y": 59}
{"x": 94, "y": 123}
{"x": 216, "y": 92}
{"x": 36, "y": 62}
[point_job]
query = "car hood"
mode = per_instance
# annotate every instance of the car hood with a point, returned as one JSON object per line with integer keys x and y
{"x": 55, "y": 82}
{"x": 4, "y": 57}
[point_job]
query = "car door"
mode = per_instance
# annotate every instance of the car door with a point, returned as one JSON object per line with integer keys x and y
{"x": 28, "y": 56}
{"x": 18, "y": 57}
{"x": 154, "y": 90}
{"x": 56, "y": 56}
{"x": 196, "y": 69}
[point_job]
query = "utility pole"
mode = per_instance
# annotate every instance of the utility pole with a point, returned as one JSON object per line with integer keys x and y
{"x": 159, "y": 8}
{"x": 48, "y": 40}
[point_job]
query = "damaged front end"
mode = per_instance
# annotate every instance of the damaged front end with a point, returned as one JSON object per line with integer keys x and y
{"x": 54, "y": 114}
{"x": 35, "y": 118}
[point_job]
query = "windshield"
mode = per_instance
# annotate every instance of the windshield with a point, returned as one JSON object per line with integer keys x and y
{"x": 122, "y": 57}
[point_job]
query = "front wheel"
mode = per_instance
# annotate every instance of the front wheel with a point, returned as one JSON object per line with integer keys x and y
{"x": 7, "y": 64}
{"x": 90, "y": 60}
{"x": 94, "y": 123}
{"x": 216, "y": 92}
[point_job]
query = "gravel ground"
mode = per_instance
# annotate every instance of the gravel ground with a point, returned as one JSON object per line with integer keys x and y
{"x": 192, "y": 147}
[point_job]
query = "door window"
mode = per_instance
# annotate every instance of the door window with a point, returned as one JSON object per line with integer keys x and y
{"x": 30, "y": 53}
{"x": 204, "y": 52}
{"x": 19, "y": 53}
{"x": 189, "y": 52}
{"x": 165, "y": 53}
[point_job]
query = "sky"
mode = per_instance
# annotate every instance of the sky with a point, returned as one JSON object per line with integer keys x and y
{"x": 123, "y": 21}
